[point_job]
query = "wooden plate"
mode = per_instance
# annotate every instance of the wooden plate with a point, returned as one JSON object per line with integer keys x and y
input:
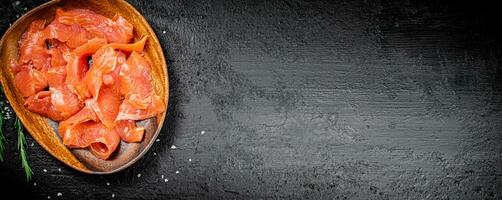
{"x": 44, "y": 130}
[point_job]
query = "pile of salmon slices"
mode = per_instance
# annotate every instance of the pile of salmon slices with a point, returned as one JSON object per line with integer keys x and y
{"x": 83, "y": 70}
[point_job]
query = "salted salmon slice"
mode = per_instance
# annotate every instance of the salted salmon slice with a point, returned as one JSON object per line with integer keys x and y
{"x": 128, "y": 111}
{"x": 56, "y": 76}
{"x": 66, "y": 126}
{"x": 40, "y": 103}
{"x": 15, "y": 68}
{"x": 136, "y": 85}
{"x": 136, "y": 80}
{"x": 59, "y": 52}
{"x": 112, "y": 79}
{"x": 77, "y": 66}
{"x": 75, "y": 136}
{"x": 73, "y": 35}
{"x": 30, "y": 81}
{"x": 106, "y": 106}
{"x": 104, "y": 61}
{"x": 32, "y": 47}
{"x": 41, "y": 58}
{"x": 128, "y": 131}
{"x": 116, "y": 30}
{"x": 101, "y": 141}
{"x": 137, "y": 46}
{"x": 29, "y": 40}
{"x": 65, "y": 102}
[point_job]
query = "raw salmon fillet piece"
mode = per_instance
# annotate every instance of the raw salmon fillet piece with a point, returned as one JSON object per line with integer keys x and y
{"x": 30, "y": 81}
{"x": 56, "y": 76}
{"x": 30, "y": 40}
{"x": 32, "y": 47}
{"x": 69, "y": 137}
{"x": 128, "y": 131}
{"x": 136, "y": 85}
{"x": 104, "y": 61}
{"x": 40, "y": 103}
{"x": 59, "y": 52}
{"x": 112, "y": 78}
{"x": 116, "y": 30}
{"x": 77, "y": 67}
{"x": 106, "y": 106}
{"x": 65, "y": 102}
{"x": 73, "y": 35}
{"x": 137, "y": 46}
{"x": 101, "y": 141}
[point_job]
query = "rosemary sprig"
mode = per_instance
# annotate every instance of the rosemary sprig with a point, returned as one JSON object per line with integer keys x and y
{"x": 21, "y": 144}
{"x": 2, "y": 138}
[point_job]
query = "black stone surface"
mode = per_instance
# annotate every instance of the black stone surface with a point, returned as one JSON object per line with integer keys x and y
{"x": 308, "y": 100}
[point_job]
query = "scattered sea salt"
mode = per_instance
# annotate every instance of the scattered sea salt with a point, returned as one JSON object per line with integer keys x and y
{"x": 164, "y": 32}
{"x": 173, "y": 147}
{"x": 107, "y": 183}
{"x": 59, "y": 169}
{"x": 34, "y": 183}
{"x": 189, "y": 160}
{"x": 17, "y": 16}
{"x": 59, "y": 194}
{"x": 48, "y": 197}
{"x": 202, "y": 132}
{"x": 113, "y": 195}
{"x": 154, "y": 153}
{"x": 139, "y": 175}
{"x": 162, "y": 176}
{"x": 177, "y": 172}
{"x": 25, "y": 8}
{"x": 165, "y": 180}
{"x": 32, "y": 144}
{"x": 157, "y": 140}
{"x": 45, "y": 170}
{"x": 17, "y": 3}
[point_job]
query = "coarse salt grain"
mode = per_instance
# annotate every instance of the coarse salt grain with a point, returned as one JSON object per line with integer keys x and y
{"x": 162, "y": 176}
{"x": 59, "y": 169}
{"x": 17, "y": 3}
{"x": 44, "y": 170}
{"x": 34, "y": 183}
{"x": 173, "y": 147}
{"x": 113, "y": 195}
{"x": 177, "y": 172}
{"x": 165, "y": 180}
{"x": 164, "y": 32}
{"x": 48, "y": 197}
{"x": 59, "y": 194}
{"x": 189, "y": 160}
{"x": 32, "y": 144}
{"x": 202, "y": 132}
{"x": 139, "y": 175}
{"x": 107, "y": 183}
{"x": 157, "y": 140}
{"x": 154, "y": 153}
{"x": 25, "y": 8}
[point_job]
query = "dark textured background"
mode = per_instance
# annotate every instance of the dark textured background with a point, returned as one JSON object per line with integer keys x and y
{"x": 309, "y": 100}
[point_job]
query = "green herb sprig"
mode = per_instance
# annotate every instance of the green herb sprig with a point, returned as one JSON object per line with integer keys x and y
{"x": 21, "y": 140}
{"x": 2, "y": 138}
{"x": 21, "y": 145}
